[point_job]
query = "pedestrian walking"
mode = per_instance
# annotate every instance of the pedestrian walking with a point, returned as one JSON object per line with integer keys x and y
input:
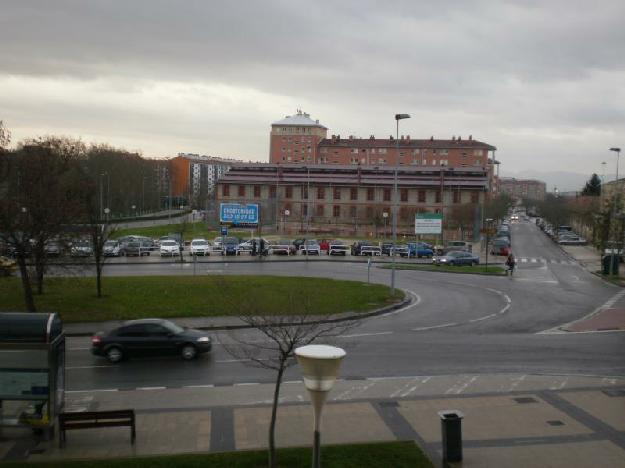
{"x": 510, "y": 263}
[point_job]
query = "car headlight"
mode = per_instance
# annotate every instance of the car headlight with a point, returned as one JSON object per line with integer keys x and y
{"x": 203, "y": 339}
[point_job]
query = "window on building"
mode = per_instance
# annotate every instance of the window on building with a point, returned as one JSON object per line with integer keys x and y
{"x": 403, "y": 194}
{"x": 256, "y": 191}
{"x": 438, "y": 196}
{"x": 475, "y": 196}
{"x": 382, "y": 150}
{"x": 404, "y": 213}
{"x": 353, "y": 193}
{"x": 241, "y": 190}
{"x": 370, "y": 193}
{"x": 456, "y": 196}
{"x": 336, "y": 211}
{"x": 225, "y": 190}
{"x": 320, "y": 210}
{"x": 421, "y": 196}
{"x": 337, "y": 193}
{"x": 387, "y": 194}
{"x": 288, "y": 192}
{"x": 354, "y": 150}
{"x": 352, "y": 212}
{"x": 304, "y": 192}
{"x": 304, "y": 210}
{"x": 369, "y": 212}
{"x": 272, "y": 191}
{"x": 321, "y": 193}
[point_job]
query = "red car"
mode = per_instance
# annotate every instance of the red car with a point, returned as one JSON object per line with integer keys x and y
{"x": 500, "y": 247}
{"x": 324, "y": 245}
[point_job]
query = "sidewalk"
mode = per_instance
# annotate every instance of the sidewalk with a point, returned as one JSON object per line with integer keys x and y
{"x": 509, "y": 420}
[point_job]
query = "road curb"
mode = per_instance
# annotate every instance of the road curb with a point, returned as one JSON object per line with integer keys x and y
{"x": 454, "y": 272}
{"x": 345, "y": 317}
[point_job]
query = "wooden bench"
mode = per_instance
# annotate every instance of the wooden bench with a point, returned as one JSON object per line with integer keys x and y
{"x": 90, "y": 419}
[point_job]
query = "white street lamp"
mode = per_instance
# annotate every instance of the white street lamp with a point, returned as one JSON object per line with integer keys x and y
{"x": 320, "y": 366}
{"x": 615, "y": 198}
{"x": 398, "y": 117}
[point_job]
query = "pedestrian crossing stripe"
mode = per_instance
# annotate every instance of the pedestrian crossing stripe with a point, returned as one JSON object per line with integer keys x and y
{"x": 544, "y": 260}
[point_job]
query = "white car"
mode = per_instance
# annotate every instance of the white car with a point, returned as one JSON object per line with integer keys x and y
{"x": 169, "y": 248}
{"x": 281, "y": 247}
{"x": 338, "y": 248}
{"x": 310, "y": 247}
{"x": 371, "y": 250}
{"x": 200, "y": 247}
{"x": 218, "y": 244}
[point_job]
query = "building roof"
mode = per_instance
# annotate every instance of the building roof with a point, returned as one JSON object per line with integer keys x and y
{"x": 405, "y": 142}
{"x": 301, "y": 119}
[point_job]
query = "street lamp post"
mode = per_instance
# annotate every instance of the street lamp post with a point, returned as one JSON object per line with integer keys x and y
{"x": 614, "y": 200}
{"x": 398, "y": 117}
{"x": 385, "y": 216}
{"x": 320, "y": 366}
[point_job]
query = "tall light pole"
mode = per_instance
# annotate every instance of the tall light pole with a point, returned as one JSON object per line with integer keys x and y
{"x": 398, "y": 117}
{"x": 613, "y": 217}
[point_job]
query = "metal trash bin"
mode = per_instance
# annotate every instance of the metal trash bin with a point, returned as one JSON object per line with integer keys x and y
{"x": 451, "y": 427}
{"x": 605, "y": 264}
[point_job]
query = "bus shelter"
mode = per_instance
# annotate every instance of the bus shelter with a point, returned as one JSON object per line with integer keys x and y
{"x": 32, "y": 370}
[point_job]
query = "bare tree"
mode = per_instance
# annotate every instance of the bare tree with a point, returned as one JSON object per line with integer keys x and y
{"x": 5, "y": 136}
{"x": 283, "y": 334}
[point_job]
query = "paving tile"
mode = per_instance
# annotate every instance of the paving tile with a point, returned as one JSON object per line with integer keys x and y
{"x": 486, "y": 418}
{"x": 344, "y": 423}
{"x": 577, "y": 455}
{"x": 610, "y": 410}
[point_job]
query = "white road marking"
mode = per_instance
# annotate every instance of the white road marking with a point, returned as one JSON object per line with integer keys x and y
{"x": 444, "y": 325}
{"x": 151, "y": 388}
{"x": 93, "y": 390}
{"x": 366, "y": 334}
{"x": 246, "y": 384}
{"x": 461, "y": 386}
{"x": 516, "y": 381}
{"x": 200, "y": 386}
{"x": 87, "y": 367}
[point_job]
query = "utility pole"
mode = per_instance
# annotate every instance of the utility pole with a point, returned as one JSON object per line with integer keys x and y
{"x": 398, "y": 117}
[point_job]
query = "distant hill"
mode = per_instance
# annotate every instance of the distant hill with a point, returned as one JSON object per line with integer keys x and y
{"x": 563, "y": 180}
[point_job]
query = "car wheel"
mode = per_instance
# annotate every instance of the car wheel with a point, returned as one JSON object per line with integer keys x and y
{"x": 188, "y": 352}
{"x": 114, "y": 354}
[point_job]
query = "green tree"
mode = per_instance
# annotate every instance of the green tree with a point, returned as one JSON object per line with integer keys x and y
{"x": 592, "y": 187}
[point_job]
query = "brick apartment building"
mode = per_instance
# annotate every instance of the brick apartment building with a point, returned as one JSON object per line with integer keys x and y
{"x": 353, "y": 199}
{"x": 524, "y": 188}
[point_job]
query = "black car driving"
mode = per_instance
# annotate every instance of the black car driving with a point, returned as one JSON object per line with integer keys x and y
{"x": 149, "y": 337}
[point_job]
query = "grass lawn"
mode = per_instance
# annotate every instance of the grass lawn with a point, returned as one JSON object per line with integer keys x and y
{"x": 193, "y": 230}
{"x": 479, "y": 269}
{"x": 388, "y": 454}
{"x": 196, "y": 296}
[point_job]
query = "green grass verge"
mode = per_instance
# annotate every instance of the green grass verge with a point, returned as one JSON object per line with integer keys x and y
{"x": 391, "y": 454}
{"x": 197, "y": 296}
{"x": 478, "y": 270}
{"x": 192, "y": 230}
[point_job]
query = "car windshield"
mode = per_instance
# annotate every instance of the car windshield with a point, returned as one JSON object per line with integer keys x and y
{"x": 110, "y": 244}
{"x": 168, "y": 243}
{"x": 283, "y": 242}
{"x": 231, "y": 240}
{"x": 311, "y": 242}
{"x": 199, "y": 242}
{"x": 133, "y": 244}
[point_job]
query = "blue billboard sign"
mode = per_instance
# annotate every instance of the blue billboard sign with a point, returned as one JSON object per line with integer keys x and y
{"x": 238, "y": 214}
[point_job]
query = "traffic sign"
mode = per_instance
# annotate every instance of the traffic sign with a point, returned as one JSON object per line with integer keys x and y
{"x": 488, "y": 231}
{"x": 224, "y": 231}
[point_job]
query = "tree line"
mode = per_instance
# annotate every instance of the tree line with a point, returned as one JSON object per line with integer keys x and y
{"x": 55, "y": 189}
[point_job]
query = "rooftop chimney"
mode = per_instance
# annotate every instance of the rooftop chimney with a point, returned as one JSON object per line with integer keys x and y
{"x": 459, "y": 138}
{"x": 431, "y": 138}
{"x": 470, "y": 137}
{"x": 453, "y": 138}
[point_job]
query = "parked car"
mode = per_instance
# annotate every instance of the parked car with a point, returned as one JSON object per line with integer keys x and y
{"x": 500, "y": 246}
{"x": 112, "y": 248}
{"x": 357, "y": 246}
{"x": 571, "y": 239}
{"x": 338, "y": 248}
{"x": 200, "y": 246}
{"x": 310, "y": 247}
{"x": 324, "y": 245}
{"x": 400, "y": 249}
{"x": 53, "y": 248}
{"x": 137, "y": 249}
{"x": 217, "y": 244}
{"x": 169, "y": 248}
{"x": 386, "y": 248}
{"x": 457, "y": 258}
{"x": 149, "y": 337}
{"x": 371, "y": 250}
{"x": 297, "y": 243}
{"x": 81, "y": 248}
{"x": 230, "y": 246}
{"x": 456, "y": 245}
{"x": 282, "y": 247}
{"x": 419, "y": 250}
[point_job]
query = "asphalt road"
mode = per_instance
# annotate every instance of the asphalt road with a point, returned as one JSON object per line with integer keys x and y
{"x": 458, "y": 324}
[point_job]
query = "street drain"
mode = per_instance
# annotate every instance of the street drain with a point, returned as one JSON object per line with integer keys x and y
{"x": 614, "y": 392}
{"x": 524, "y": 400}
{"x": 555, "y": 423}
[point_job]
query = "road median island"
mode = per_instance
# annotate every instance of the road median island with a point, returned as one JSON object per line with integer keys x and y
{"x": 475, "y": 270}
{"x": 396, "y": 454}
{"x": 212, "y": 296}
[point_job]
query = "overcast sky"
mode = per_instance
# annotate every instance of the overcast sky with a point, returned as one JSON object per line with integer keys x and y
{"x": 543, "y": 81}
